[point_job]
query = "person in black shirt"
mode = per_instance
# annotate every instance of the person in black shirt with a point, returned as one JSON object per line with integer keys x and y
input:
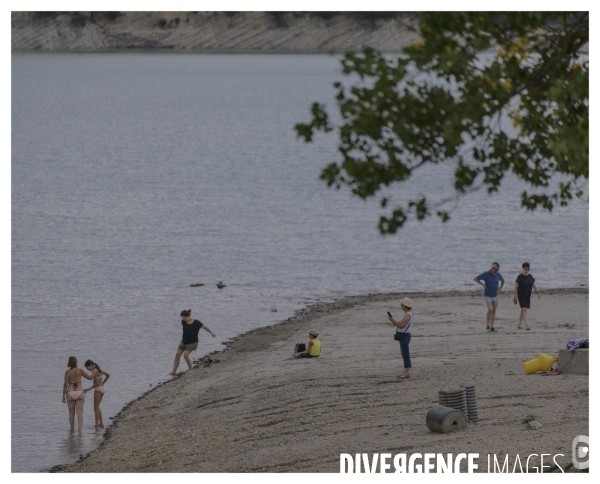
{"x": 189, "y": 340}
{"x": 522, "y": 294}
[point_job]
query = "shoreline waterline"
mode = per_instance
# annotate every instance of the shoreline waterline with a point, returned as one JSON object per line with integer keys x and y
{"x": 256, "y": 339}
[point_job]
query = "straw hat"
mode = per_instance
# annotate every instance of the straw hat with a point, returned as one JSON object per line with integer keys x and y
{"x": 407, "y": 302}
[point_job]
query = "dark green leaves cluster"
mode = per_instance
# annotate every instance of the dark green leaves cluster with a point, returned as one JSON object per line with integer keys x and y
{"x": 522, "y": 106}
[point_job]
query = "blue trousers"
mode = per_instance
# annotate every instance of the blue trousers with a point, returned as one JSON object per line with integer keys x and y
{"x": 404, "y": 351}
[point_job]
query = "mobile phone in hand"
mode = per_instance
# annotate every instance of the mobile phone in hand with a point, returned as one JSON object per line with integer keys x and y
{"x": 389, "y": 314}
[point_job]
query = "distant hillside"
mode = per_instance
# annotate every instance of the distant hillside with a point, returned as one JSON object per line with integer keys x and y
{"x": 212, "y": 31}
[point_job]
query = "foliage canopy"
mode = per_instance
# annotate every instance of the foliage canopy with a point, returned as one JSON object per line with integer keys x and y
{"x": 489, "y": 92}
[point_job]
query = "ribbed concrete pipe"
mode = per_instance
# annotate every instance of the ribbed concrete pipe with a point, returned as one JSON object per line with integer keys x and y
{"x": 444, "y": 420}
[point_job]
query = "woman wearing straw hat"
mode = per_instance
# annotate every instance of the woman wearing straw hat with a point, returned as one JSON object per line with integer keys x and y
{"x": 403, "y": 334}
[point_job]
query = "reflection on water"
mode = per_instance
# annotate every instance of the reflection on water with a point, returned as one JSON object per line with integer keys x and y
{"x": 73, "y": 443}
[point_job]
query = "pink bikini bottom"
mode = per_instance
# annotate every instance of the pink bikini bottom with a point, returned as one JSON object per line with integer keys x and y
{"x": 76, "y": 394}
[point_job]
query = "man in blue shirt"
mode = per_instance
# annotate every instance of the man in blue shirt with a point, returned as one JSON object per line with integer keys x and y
{"x": 489, "y": 280}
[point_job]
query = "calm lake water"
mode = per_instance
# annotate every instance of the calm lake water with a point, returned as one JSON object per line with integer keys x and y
{"x": 134, "y": 175}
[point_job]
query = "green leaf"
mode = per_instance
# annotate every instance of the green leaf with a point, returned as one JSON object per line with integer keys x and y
{"x": 437, "y": 103}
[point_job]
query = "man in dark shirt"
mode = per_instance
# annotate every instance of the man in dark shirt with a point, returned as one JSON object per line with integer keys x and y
{"x": 189, "y": 340}
{"x": 489, "y": 280}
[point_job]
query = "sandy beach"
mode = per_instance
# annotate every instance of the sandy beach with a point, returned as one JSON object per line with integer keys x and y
{"x": 259, "y": 410}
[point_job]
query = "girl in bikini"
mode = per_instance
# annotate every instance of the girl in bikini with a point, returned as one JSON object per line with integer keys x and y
{"x": 98, "y": 387}
{"x": 73, "y": 392}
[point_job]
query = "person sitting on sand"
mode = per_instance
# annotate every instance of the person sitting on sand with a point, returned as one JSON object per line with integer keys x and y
{"x": 313, "y": 350}
{"x": 189, "y": 340}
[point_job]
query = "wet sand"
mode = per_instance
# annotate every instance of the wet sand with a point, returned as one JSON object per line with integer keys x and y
{"x": 259, "y": 410}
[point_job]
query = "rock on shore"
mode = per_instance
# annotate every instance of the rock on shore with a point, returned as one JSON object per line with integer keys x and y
{"x": 212, "y": 31}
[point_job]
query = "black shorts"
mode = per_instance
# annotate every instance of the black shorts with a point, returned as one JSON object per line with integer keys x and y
{"x": 524, "y": 300}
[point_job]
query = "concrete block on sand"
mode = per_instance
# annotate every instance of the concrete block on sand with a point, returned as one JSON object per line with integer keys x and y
{"x": 574, "y": 362}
